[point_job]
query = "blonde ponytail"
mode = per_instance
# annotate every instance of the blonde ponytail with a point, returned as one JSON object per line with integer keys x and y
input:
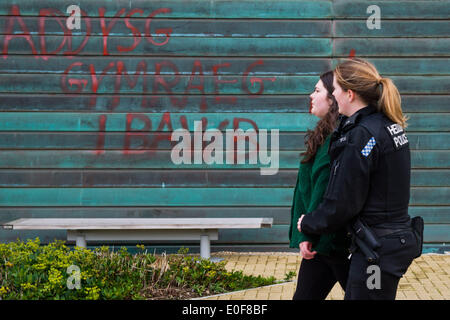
{"x": 390, "y": 102}
{"x": 363, "y": 78}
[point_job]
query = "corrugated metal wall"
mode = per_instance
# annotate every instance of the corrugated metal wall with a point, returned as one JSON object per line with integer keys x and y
{"x": 86, "y": 115}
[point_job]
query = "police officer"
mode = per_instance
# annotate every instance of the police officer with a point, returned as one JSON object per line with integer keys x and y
{"x": 369, "y": 182}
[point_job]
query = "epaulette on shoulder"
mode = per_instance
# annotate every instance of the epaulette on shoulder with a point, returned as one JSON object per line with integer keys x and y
{"x": 373, "y": 123}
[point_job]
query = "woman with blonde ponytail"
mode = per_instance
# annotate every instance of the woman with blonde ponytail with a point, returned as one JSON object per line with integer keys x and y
{"x": 369, "y": 187}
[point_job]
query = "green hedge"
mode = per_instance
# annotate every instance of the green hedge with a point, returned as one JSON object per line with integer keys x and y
{"x": 32, "y": 271}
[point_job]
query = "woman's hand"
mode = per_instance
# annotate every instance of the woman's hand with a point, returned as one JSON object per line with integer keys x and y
{"x": 299, "y": 223}
{"x": 305, "y": 250}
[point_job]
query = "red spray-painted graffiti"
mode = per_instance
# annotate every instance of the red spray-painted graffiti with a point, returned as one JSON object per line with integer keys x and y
{"x": 72, "y": 82}
{"x": 15, "y": 17}
{"x": 150, "y": 146}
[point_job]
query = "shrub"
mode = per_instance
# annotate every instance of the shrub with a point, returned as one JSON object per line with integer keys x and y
{"x": 33, "y": 271}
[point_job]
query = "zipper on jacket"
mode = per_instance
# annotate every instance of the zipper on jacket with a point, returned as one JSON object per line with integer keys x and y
{"x": 335, "y": 169}
{"x": 333, "y": 178}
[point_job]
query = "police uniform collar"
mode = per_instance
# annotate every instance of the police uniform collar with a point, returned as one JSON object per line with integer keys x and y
{"x": 354, "y": 118}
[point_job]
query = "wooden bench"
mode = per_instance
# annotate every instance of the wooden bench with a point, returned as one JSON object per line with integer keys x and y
{"x": 139, "y": 229}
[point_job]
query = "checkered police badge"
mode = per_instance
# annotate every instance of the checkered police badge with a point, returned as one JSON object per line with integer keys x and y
{"x": 369, "y": 146}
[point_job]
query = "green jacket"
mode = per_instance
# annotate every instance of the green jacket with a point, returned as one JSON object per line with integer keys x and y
{"x": 312, "y": 181}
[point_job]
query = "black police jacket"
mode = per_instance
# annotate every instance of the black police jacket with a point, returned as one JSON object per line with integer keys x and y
{"x": 370, "y": 174}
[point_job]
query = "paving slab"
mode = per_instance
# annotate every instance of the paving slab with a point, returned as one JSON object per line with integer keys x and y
{"x": 428, "y": 277}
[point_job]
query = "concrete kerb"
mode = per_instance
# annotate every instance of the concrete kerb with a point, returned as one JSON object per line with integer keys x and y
{"x": 242, "y": 291}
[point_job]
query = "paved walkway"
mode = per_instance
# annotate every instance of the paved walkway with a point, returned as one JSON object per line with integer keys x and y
{"x": 428, "y": 277}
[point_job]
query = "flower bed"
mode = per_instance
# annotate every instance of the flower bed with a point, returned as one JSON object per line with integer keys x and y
{"x": 30, "y": 271}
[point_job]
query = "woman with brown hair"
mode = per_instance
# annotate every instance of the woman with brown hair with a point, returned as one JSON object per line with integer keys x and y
{"x": 368, "y": 191}
{"x": 324, "y": 257}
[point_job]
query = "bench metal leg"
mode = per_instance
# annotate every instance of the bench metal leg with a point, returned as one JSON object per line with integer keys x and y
{"x": 81, "y": 241}
{"x": 205, "y": 247}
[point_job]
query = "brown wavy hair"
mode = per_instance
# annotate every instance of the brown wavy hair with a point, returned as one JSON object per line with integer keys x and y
{"x": 315, "y": 138}
{"x": 363, "y": 78}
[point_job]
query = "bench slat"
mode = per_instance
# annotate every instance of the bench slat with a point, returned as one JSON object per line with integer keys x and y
{"x": 139, "y": 223}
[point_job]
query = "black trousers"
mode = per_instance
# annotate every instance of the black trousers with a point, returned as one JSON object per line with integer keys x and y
{"x": 357, "y": 287}
{"x": 396, "y": 255}
{"x": 317, "y": 276}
